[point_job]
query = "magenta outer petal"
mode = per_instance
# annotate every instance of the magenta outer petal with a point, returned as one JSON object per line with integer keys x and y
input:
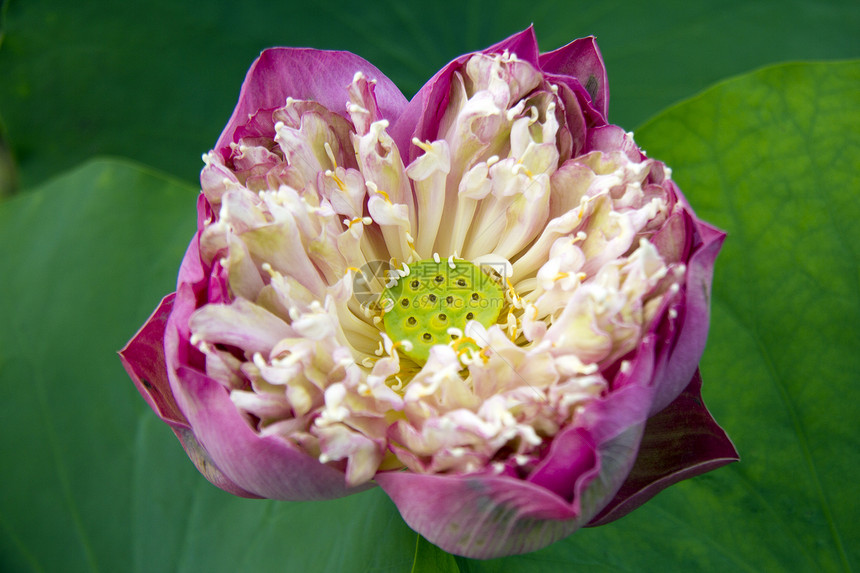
{"x": 422, "y": 116}
{"x": 265, "y": 466}
{"x": 678, "y": 364}
{"x": 581, "y": 59}
{"x": 680, "y": 442}
{"x": 143, "y": 359}
{"x": 268, "y": 466}
{"x": 308, "y": 74}
{"x": 484, "y": 516}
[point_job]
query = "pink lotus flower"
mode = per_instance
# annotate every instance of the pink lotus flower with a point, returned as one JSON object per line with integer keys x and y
{"x": 525, "y": 362}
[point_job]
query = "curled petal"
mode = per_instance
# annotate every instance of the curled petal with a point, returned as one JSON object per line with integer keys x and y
{"x": 307, "y": 74}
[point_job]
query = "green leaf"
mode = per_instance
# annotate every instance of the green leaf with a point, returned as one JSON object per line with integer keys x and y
{"x": 92, "y": 480}
{"x": 431, "y": 559}
{"x": 156, "y": 81}
{"x": 772, "y": 157}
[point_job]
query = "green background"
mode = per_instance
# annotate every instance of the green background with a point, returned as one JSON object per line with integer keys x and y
{"x": 90, "y": 480}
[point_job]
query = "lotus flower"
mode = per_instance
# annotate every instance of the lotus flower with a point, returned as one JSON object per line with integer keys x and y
{"x": 486, "y": 300}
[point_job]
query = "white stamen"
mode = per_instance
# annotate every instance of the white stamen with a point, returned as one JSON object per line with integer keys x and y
{"x": 425, "y": 145}
{"x": 399, "y": 382}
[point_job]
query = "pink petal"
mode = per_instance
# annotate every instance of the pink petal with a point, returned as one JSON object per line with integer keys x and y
{"x": 485, "y": 516}
{"x": 581, "y": 61}
{"x": 268, "y": 466}
{"x": 678, "y": 362}
{"x": 680, "y": 442}
{"x": 143, "y": 359}
{"x": 572, "y": 455}
{"x": 303, "y": 73}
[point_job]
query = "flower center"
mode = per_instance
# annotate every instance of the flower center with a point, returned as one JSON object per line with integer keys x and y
{"x": 432, "y": 303}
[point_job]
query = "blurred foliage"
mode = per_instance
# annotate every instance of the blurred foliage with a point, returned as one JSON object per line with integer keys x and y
{"x": 8, "y": 171}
